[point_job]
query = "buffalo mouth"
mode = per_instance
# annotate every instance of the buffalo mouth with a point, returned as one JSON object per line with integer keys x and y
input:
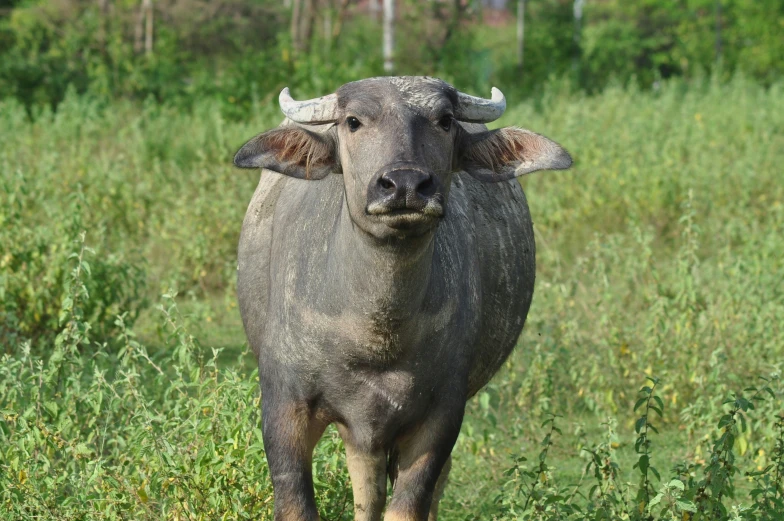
{"x": 407, "y": 218}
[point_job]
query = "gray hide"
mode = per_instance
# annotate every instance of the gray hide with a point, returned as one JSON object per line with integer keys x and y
{"x": 385, "y": 333}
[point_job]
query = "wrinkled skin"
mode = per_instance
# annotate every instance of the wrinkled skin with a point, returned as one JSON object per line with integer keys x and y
{"x": 382, "y": 295}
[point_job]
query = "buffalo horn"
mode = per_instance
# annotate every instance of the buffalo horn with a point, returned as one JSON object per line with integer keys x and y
{"x": 314, "y": 111}
{"x": 472, "y": 109}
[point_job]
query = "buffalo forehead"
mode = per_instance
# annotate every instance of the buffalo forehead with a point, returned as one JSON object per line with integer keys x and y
{"x": 422, "y": 94}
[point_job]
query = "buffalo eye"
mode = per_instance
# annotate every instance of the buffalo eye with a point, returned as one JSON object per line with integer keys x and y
{"x": 353, "y": 123}
{"x": 445, "y": 122}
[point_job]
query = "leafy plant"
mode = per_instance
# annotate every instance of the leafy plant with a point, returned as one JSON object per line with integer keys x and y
{"x": 642, "y": 446}
{"x": 655, "y": 256}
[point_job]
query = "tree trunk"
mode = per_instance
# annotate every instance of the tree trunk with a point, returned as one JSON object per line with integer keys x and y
{"x": 148, "y": 32}
{"x": 138, "y": 32}
{"x": 578, "y": 28}
{"x": 375, "y": 10}
{"x": 326, "y": 8}
{"x": 295, "y": 23}
{"x": 389, "y": 36}
{"x": 520, "y": 34}
{"x": 306, "y": 27}
{"x": 103, "y": 8}
{"x": 338, "y": 27}
{"x": 718, "y": 31}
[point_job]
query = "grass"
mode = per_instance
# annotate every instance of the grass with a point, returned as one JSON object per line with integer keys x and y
{"x": 659, "y": 255}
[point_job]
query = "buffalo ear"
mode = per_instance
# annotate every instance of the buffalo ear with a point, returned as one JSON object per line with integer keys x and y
{"x": 499, "y": 155}
{"x": 291, "y": 151}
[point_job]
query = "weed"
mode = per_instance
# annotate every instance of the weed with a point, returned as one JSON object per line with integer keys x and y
{"x": 656, "y": 255}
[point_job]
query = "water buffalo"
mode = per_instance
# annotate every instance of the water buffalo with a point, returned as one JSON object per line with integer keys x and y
{"x": 386, "y": 267}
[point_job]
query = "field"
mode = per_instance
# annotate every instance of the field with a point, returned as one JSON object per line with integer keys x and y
{"x": 127, "y": 392}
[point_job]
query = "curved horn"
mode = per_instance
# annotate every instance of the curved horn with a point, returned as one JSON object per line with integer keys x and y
{"x": 480, "y": 110}
{"x": 312, "y": 112}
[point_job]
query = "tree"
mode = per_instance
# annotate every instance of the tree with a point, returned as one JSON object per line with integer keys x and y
{"x": 389, "y": 35}
{"x": 520, "y": 33}
{"x": 144, "y": 28}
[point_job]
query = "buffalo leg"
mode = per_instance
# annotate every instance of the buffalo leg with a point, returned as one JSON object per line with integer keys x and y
{"x": 439, "y": 491}
{"x": 421, "y": 461}
{"x": 368, "y": 471}
{"x": 290, "y": 433}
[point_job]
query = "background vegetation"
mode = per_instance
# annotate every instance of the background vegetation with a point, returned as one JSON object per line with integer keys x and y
{"x": 659, "y": 264}
{"x": 240, "y": 52}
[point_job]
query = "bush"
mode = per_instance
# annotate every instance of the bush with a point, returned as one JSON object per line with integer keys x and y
{"x": 121, "y": 436}
{"x": 657, "y": 255}
{"x": 33, "y": 274}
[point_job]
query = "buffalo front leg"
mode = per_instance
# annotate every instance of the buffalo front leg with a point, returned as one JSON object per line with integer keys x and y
{"x": 438, "y": 493}
{"x": 290, "y": 432}
{"x": 422, "y": 461}
{"x": 368, "y": 471}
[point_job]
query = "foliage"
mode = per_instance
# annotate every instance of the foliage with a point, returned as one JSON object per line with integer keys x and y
{"x": 652, "y": 39}
{"x": 677, "y": 499}
{"x": 33, "y": 269}
{"x": 658, "y": 256}
{"x": 49, "y": 46}
{"x": 236, "y": 52}
{"x": 118, "y": 437}
{"x": 141, "y": 182}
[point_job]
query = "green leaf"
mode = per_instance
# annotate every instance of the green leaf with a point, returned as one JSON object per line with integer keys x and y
{"x": 638, "y": 444}
{"x": 640, "y": 423}
{"x": 81, "y": 449}
{"x": 52, "y": 408}
{"x": 676, "y": 483}
{"x": 686, "y": 505}
{"x": 759, "y": 472}
{"x": 643, "y": 463}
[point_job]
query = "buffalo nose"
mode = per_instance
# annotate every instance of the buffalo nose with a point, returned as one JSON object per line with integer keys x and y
{"x": 407, "y": 185}
{"x": 405, "y": 188}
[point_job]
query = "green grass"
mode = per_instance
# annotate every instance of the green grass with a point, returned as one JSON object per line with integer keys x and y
{"x": 659, "y": 255}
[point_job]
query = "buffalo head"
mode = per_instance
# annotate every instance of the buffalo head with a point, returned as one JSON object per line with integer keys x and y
{"x": 397, "y": 141}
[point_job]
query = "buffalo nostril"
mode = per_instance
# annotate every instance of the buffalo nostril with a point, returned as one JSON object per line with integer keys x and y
{"x": 427, "y": 187}
{"x": 386, "y": 184}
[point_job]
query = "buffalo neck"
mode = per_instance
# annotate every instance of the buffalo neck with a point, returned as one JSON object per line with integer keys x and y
{"x": 387, "y": 277}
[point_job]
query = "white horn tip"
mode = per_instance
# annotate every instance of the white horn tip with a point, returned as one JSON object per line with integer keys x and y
{"x": 497, "y": 96}
{"x": 285, "y": 96}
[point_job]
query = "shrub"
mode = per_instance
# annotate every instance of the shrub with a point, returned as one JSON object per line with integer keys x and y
{"x": 33, "y": 275}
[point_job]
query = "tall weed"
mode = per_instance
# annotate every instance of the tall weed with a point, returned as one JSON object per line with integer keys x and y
{"x": 658, "y": 254}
